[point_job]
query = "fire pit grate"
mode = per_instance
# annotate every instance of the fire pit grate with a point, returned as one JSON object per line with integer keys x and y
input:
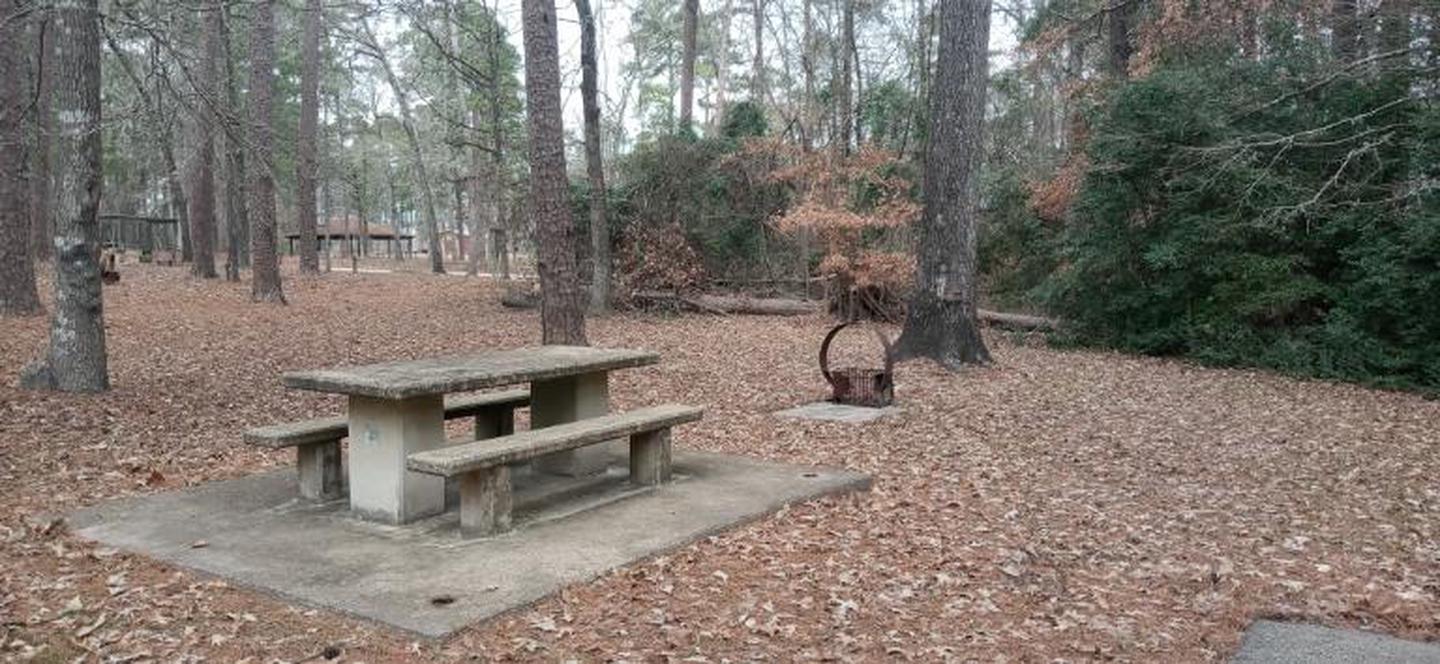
{"x": 857, "y": 386}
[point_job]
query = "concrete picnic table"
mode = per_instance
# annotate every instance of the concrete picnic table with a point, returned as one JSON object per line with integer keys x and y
{"x": 397, "y": 409}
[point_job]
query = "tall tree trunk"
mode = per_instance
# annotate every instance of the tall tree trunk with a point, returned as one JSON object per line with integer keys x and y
{"x": 497, "y": 240}
{"x": 323, "y": 245}
{"x": 499, "y": 233}
{"x": 845, "y": 105}
{"x": 202, "y": 199}
{"x": 1345, "y": 38}
{"x": 562, "y": 313}
{"x": 1121, "y": 45}
{"x": 807, "y": 64}
{"x": 164, "y": 126}
{"x": 925, "y": 20}
{"x": 454, "y": 104}
{"x": 457, "y": 213}
{"x": 42, "y": 211}
{"x": 857, "y": 101}
{"x": 941, "y": 320}
{"x": 18, "y": 296}
{"x": 237, "y": 215}
{"x": 265, "y": 275}
{"x": 758, "y": 83}
{"x": 75, "y": 360}
{"x": 691, "y": 11}
{"x": 358, "y": 191}
{"x": 722, "y": 64}
{"x": 590, "y": 96}
{"x": 1395, "y": 35}
{"x": 417, "y": 158}
{"x": 307, "y": 166}
{"x": 479, "y": 229}
{"x": 174, "y": 182}
{"x": 1070, "y": 138}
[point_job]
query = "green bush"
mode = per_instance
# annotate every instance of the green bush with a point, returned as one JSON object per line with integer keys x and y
{"x": 1017, "y": 249}
{"x": 1233, "y": 216}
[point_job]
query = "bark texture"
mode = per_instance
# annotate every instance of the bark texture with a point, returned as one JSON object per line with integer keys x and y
{"x": 691, "y": 11}
{"x": 202, "y": 198}
{"x": 265, "y": 275}
{"x": 307, "y": 166}
{"x": 1345, "y": 29}
{"x": 1396, "y": 19}
{"x": 757, "y": 83}
{"x": 722, "y": 63}
{"x": 940, "y": 322}
{"x": 499, "y": 236}
{"x": 562, "y": 315}
{"x": 1121, "y": 47}
{"x": 75, "y": 359}
{"x": 807, "y": 64}
{"x": 42, "y": 219}
{"x": 478, "y": 226}
{"x": 17, "y": 266}
{"x": 237, "y": 216}
{"x": 594, "y": 168}
{"x": 846, "y": 103}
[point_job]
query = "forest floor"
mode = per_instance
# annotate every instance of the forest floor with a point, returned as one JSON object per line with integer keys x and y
{"x": 1055, "y": 506}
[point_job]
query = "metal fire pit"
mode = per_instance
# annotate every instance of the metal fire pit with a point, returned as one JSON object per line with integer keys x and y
{"x": 856, "y": 386}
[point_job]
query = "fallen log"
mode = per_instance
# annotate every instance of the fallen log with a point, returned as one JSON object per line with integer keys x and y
{"x": 728, "y": 304}
{"x": 1016, "y": 321}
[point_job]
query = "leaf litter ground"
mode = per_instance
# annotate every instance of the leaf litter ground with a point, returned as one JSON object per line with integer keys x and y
{"x": 1055, "y": 506}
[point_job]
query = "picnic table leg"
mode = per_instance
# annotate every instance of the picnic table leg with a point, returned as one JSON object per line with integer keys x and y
{"x": 489, "y": 423}
{"x": 383, "y": 432}
{"x": 321, "y": 475}
{"x": 495, "y": 422}
{"x": 569, "y": 399}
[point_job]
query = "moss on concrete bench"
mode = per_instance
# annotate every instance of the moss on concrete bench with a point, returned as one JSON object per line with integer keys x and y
{"x": 317, "y": 441}
{"x": 484, "y": 465}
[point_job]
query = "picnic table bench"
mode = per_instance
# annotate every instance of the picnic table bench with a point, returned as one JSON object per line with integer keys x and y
{"x": 317, "y": 441}
{"x": 484, "y": 465}
{"x": 399, "y": 460}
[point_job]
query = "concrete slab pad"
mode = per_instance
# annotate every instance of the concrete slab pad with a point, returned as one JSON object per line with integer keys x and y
{"x": 834, "y": 412}
{"x": 423, "y": 577}
{"x": 1269, "y": 642}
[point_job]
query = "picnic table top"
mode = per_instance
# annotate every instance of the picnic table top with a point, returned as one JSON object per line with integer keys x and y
{"x": 442, "y": 375}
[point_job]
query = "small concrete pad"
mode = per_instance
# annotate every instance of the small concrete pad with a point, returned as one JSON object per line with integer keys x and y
{"x": 834, "y": 412}
{"x": 423, "y": 577}
{"x": 1269, "y": 642}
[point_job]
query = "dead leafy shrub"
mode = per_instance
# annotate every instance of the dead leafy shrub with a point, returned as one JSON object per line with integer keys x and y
{"x": 659, "y": 258}
{"x": 1051, "y": 199}
{"x": 859, "y": 207}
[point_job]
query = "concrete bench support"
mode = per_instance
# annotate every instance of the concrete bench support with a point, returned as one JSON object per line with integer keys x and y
{"x": 650, "y": 457}
{"x": 322, "y": 476}
{"x": 485, "y": 502}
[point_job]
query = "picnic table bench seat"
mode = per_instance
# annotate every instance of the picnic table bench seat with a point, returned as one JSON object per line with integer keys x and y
{"x": 483, "y": 466}
{"x": 317, "y": 441}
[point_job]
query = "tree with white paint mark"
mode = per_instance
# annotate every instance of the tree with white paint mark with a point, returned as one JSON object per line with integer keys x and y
{"x": 75, "y": 360}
